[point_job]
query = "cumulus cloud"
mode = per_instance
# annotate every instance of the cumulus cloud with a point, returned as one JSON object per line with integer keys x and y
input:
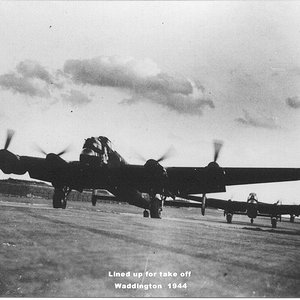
{"x": 32, "y": 69}
{"x": 21, "y": 85}
{"x": 30, "y": 79}
{"x": 143, "y": 79}
{"x": 176, "y": 102}
{"x": 293, "y": 102}
{"x": 257, "y": 121}
{"x": 76, "y": 97}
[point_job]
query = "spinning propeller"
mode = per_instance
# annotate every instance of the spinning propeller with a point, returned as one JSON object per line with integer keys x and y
{"x": 169, "y": 153}
{"x": 214, "y": 167}
{"x": 39, "y": 149}
{"x": 9, "y": 162}
{"x": 217, "y": 148}
{"x": 9, "y": 136}
{"x": 155, "y": 173}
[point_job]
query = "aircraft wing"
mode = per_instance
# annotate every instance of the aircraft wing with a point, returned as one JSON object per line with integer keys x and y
{"x": 186, "y": 180}
{"x": 274, "y": 209}
{"x": 56, "y": 170}
{"x": 189, "y": 180}
{"x": 236, "y": 176}
{"x": 38, "y": 168}
{"x": 181, "y": 203}
{"x": 226, "y": 204}
{"x": 289, "y": 209}
{"x": 221, "y": 204}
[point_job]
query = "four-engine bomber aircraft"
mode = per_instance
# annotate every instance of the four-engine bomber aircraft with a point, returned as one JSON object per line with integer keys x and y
{"x": 101, "y": 167}
{"x": 252, "y": 208}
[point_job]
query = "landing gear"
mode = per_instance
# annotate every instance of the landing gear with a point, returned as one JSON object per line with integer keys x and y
{"x": 146, "y": 213}
{"x": 94, "y": 200}
{"x": 251, "y": 220}
{"x": 274, "y": 222}
{"x": 57, "y": 198}
{"x": 203, "y": 204}
{"x": 292, "y": 218}
{"x": 60, "y": 197}
{"x": 155, "y": 208}
{"x": 64, "y": 203}
{"x": 229, "y": 218}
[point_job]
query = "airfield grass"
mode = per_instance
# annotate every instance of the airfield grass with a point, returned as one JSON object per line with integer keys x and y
{"x": 47, "y": 252}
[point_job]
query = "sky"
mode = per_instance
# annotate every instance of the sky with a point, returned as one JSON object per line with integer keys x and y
{"x": 150, "y": 75}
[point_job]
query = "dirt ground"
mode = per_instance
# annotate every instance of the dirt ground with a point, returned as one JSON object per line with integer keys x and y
{"x": 82, "y": 252}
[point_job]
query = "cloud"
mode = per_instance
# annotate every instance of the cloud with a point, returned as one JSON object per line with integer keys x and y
{"x": 32, "y": 69}
{"x": 257, "y": 121}
{"x": 21, "y": 85}
{"x": 176, "y": 102}
{"x": 293, "y": 102}
{"x": 76, "y": 98}
{"x": 143, "y": 79}
{"x": 30, "y": 79}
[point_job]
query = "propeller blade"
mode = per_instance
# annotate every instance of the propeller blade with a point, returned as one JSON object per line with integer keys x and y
{"x": 67, "y": 149}
{"x": 217, "y": 147}
{"x": 140, "y": 157}
{"x": 170, "y": 152}
{"x": 10, "y": 134}
{"x": 39, "y": 149}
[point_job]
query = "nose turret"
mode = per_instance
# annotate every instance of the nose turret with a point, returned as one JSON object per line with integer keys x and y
{"x": 252, "y": 198}
{"x": 94, "y": 151}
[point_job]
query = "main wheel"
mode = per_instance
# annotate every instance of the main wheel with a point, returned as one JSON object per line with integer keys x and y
{"x": 274, "y": 222}
{"x": 292, "y": 219}
{"x": 57, "y": 197}
{"x": 94, "y": 200}
{"x": 229, "y": 218}
{"x": 63, "y": 203}
{"x": 155, "y": 209}
{"x": 203, "y": 205}
{"x": 251, "y": 220}
{"x": 146, "y": 213}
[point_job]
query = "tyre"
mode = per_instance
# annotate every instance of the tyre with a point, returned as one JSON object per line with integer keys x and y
{"x": 155, "y": 209}
{"x": 274, "y": 222}
{"x": 229, "y": 218}
{"x": 94, "y": 200}
{"x": 57, "y": 199}
{"x": 63, "y": 203}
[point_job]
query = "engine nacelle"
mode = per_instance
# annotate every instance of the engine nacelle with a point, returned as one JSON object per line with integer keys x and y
{"x": 214, "y": 180}
{"x": 157, "y": 177}
{"x": 11, "y": 163}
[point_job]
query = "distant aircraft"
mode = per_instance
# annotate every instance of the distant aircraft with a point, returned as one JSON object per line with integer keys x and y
{"x": 252, "y": 208}
{"x": 101, "y": 167}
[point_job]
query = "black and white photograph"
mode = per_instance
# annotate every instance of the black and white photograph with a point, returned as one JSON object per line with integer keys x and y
{"x": 150, "y": 149}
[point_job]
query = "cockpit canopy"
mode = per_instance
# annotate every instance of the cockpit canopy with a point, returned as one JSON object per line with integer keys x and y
{"x": 98, "y": 147}
{"x": 99, "y": 143}
{"x": 252, "y": 197}
{"x": 100, "y": 151}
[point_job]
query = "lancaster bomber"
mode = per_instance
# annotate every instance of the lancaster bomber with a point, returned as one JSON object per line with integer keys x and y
{"x": 252, "y": 208}
{"x": 101, "y": 167}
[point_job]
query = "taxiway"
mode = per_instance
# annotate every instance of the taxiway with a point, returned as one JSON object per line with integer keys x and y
{"x": 47, "y": 252}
